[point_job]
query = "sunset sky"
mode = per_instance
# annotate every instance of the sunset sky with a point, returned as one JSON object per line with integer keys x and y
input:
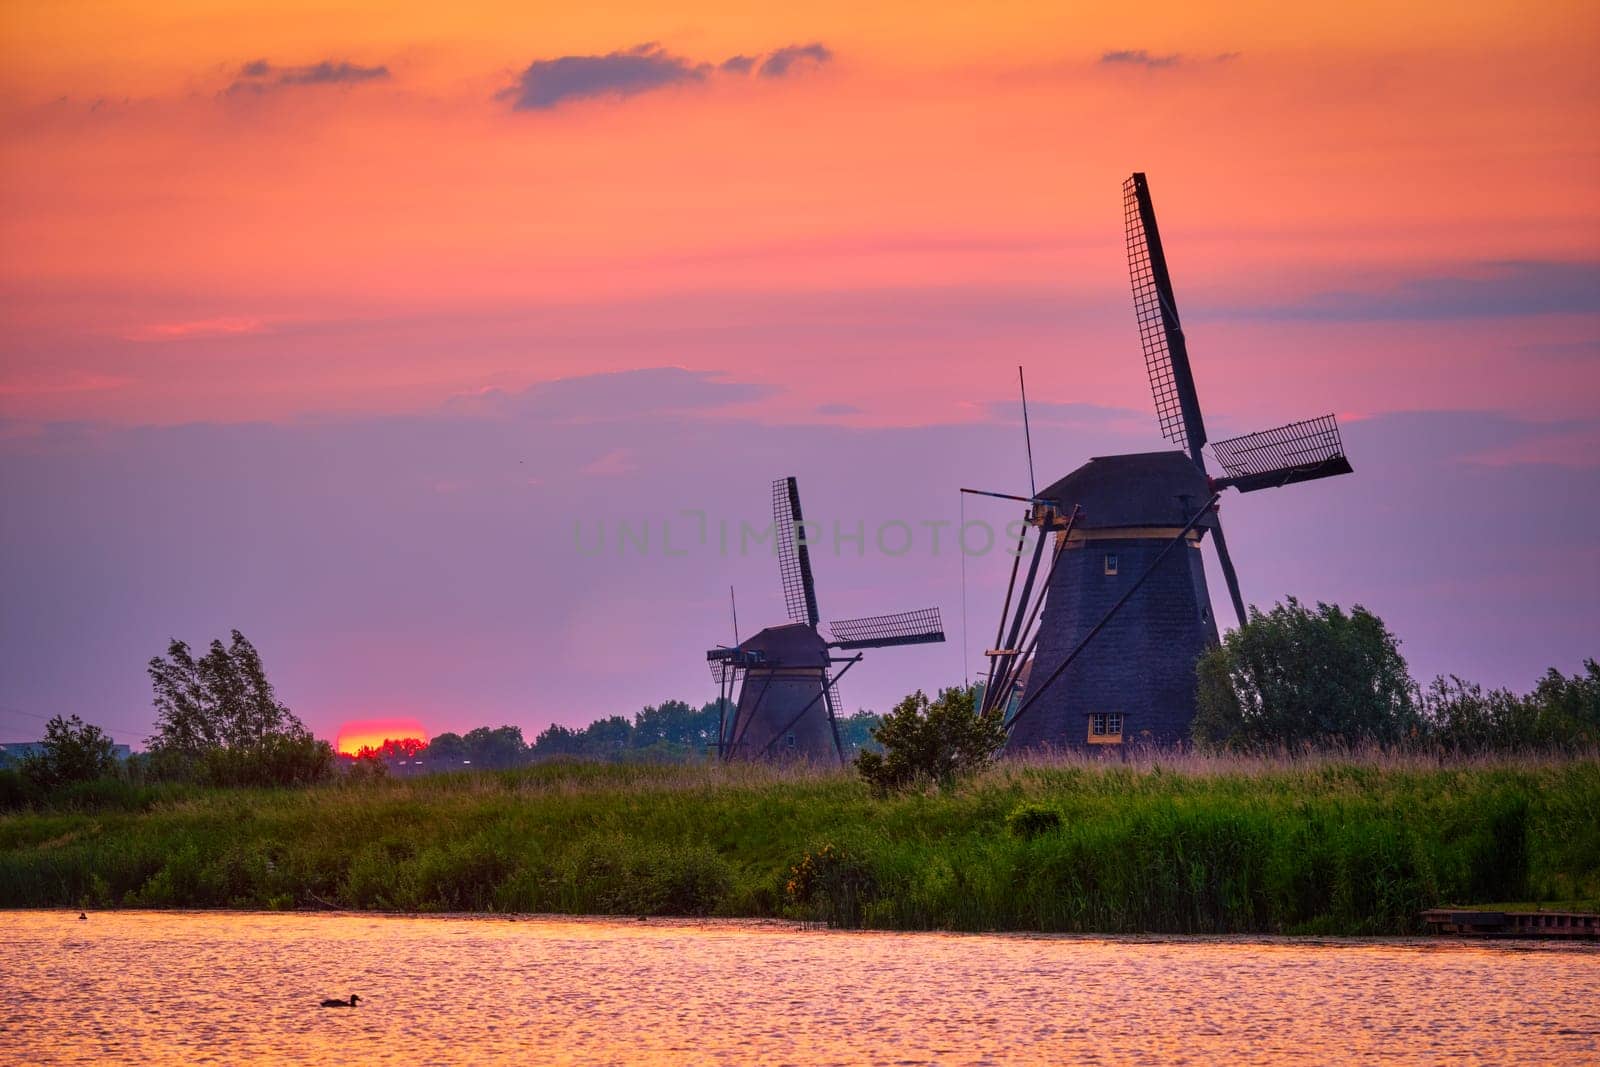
{"x": 328, "y": 321}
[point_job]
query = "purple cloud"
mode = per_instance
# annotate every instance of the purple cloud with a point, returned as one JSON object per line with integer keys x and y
{"x": 619, "y": 395}
{"x": 1138, "y": 57}
{"x": 781, "y": 62}
{"x": 1483, "y": 290}
{"x": 549, "y": 83}
{"x": 260, "y": 76}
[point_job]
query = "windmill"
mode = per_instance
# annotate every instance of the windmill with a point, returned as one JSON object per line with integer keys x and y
{"x": 1125, "y": 580}
{"x": 786, "y": 676}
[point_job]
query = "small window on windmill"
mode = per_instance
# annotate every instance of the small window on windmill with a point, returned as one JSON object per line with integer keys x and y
{"x": 1111, "y": 563}
{"x": 1105, "y": 728}
{"x": 789, "y": 741}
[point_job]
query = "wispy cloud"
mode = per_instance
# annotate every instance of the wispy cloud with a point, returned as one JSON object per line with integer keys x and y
{"x": 1573, "y": 443}
{"x": 1062, "y": 413}
{"x": 1139, "y": 57}
{"x": 226, "y": 326}
{"x": 550, "y": 83}
{"x": 1496, "y": 289}
{"x": 784, "y": 60}
{"x": 615, "y": 463}
{"x": 617, "y": 395}
{"x": 1562, "y": 351}
{"x": 68, "y": 383}
{"x": 261, "y": 76}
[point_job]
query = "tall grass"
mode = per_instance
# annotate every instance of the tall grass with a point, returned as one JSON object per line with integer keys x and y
{"x": 1356, "y": 844}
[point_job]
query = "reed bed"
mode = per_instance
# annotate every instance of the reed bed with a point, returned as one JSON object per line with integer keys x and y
{"x": 1341, "y": 843}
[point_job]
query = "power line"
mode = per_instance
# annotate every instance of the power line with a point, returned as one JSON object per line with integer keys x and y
{"x": 121, "y": 727}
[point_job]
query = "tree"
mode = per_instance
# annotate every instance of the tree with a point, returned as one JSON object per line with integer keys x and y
{"x": 393, "y": 749}
{"x": 448, "y": 750}
{"x": 1560, "y": 712}
{"x": 221, "y": 700}
{"x": 496, "y": 749}
{"x": 855, "y": 731}
{"x": 1461, "y": 717}
{"x": 931, "y": 741}
{"x": 1295, "y": 675}
{"x": 72, "y": 752}
{"x": 1569, "y": 708}
{"x": 557, "y": 740}
{"x": 608, "y": 736}
{"x": 218, "y": 719}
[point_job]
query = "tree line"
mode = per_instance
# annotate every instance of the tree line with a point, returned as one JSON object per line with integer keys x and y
{"x": 1297, "y": 676}
{"x": 1293, "y": 678}
{"x": 672, "y": 731}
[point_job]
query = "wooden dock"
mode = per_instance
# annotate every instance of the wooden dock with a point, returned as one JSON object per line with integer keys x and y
{"x": 1466, "y": 922}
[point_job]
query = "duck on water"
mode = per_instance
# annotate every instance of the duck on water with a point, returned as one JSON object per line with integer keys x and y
{"x": 341, "y": 1003}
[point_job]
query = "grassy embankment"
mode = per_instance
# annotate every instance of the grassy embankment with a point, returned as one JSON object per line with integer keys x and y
{"x": 1355, "y": 846}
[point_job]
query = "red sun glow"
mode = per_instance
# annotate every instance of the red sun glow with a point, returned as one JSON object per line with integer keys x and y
{"x": 358, "y": 734}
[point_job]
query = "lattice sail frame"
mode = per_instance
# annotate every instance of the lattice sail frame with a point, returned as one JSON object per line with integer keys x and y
{"x": 831, "y": 697}
{"x": 1297, "y": 452}
{"x": 1166, "y": 358}
{"x": 794, "y": 558}
{"x": 724, "y": 672}
{"x": 922, "y": 626}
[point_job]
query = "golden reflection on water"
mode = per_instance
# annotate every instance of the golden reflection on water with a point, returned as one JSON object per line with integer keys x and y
{"x": 208, "y": 987}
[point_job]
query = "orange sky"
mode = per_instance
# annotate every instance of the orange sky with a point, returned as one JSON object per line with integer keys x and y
{"x": 156, "y": 227}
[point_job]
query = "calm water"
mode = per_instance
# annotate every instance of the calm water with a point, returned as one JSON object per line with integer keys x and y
{"x": 164, "y": 987}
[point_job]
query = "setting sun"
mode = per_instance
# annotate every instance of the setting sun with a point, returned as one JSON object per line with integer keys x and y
{"x": 358, "y": 734}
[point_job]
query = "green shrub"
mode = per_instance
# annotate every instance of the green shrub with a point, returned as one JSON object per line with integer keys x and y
{"x": 831, "y": 885}
{"x": 933, "y": 741}
{"x": 1028, "y": 821}
{"x": 72, "y": 752}
{"x": 461, "y": 875}
{"x": 14, "y": 790}
{"x": 613, "y": 875}
{"x": 282, "y": 759}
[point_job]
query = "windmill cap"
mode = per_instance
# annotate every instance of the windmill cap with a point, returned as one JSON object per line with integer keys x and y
{"x": 1142, "y": 489}
{"x": 788, "y": 644}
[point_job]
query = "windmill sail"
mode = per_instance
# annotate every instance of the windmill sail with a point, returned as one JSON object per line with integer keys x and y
{"x": 830, "y": 696}
{"x": 1298, "y": 452}
{"x": 880, "y": 631}
{"x": 794, "y": 556}
{"x": 1166, "y": 357}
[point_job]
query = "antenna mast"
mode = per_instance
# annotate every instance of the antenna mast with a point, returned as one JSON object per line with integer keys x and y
{"x": 1027, "y": 436}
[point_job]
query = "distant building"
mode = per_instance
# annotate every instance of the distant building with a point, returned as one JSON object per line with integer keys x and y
{"x": 12, "y": 753}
